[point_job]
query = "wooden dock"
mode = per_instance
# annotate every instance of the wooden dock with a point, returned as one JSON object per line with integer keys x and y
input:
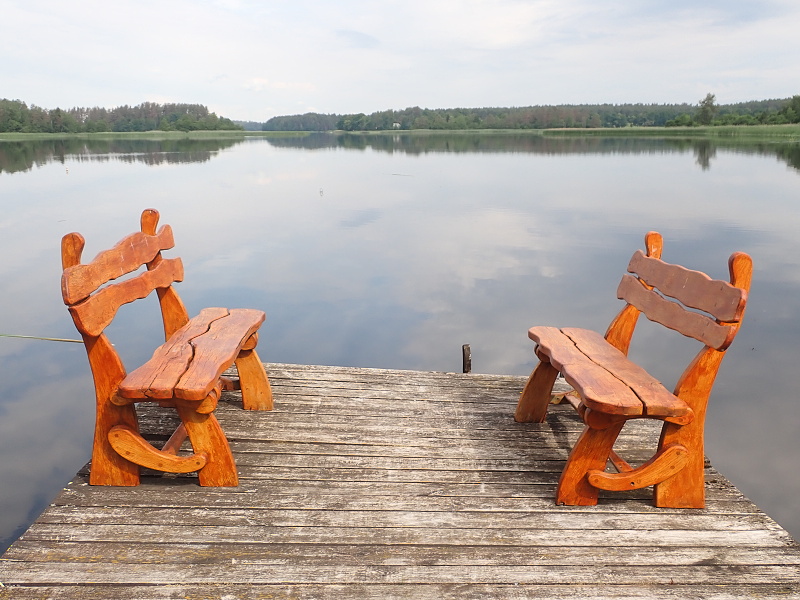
{"x": 375, "y": 484}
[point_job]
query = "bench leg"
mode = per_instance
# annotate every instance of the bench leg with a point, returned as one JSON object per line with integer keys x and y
{"x": 256, "y": 391}
{"x": 108, "y": 467}
{"x": 535, "y": 397}
{"x": 685, "y": 489}
{"x": 590, "y": 452}
{"x": 207, "y": 437}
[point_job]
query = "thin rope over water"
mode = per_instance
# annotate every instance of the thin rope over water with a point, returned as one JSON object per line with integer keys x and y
{"x": 34, "y": 337}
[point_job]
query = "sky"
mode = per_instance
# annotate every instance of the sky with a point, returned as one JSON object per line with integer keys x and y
{"x": 253, "y": 60}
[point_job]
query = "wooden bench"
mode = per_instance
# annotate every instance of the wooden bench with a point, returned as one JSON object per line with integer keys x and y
{"x": 610, "y": 389}
{"x": 185, "y": 373}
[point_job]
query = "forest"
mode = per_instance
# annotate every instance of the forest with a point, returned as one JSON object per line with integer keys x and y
{"x": 17, "y": 116}
{"x": 706, "y": 112}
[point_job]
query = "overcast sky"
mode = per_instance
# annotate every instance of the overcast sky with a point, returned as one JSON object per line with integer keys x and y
{"x": 252, "y": 60}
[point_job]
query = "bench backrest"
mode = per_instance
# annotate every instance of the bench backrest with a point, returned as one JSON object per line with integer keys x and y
{"x": 665, "y": 292}
{"x": 93, "y": 301}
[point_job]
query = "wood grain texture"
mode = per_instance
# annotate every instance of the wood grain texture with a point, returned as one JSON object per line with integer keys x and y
{"x": 158, "y": 377}
{"x": 591, "y": 379}
{"x": 375, "y": 484}
{"x": 620, "y": 332}
{"x": 674, "y": 316}
{"x": 664, "y": 464}
{"x": 692, "y": 288}
{"x": 254, "y": 384}
{"x": 94, "y": 314}
{"x": 80, "y": 280}
{"x": 535, "y": 397}
{"x": 607, "y": 381}
{"x": 130, "y": 445}
{"x": 216, "y": 350}
{"x": 190, "y": 363}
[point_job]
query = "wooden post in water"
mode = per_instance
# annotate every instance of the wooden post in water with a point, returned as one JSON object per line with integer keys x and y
{"x": 466, "y": 358}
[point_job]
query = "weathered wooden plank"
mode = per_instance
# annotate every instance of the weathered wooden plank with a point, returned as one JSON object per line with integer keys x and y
{"x": 661, "y": 538}
{"x": 540, "y": 575}
{"x": 674, "y": 590}
{"x": 300, "y": 493}
{"x": 443, "y": 518}
{"x": 375, "y": 555}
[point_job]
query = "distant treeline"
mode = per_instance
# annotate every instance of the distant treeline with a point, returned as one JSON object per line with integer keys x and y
{"x": 16, "y": 116}
{"x": 707, "y": 112}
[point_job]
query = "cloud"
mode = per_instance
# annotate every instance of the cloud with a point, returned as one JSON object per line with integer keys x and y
{"x": 357, "y": 39}
{"x": 355, "y": 56}
{"x": 259, "y": 84}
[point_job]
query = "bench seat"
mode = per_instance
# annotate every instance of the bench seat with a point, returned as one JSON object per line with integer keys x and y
{"x": 189, "y": 365}
{"x": 607, "y": 381}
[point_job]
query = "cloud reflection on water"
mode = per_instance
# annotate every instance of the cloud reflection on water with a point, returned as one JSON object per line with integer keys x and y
{"x": 398, "y": 272}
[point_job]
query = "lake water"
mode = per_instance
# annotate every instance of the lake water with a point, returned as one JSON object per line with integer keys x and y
{"x": 393, "y": 251}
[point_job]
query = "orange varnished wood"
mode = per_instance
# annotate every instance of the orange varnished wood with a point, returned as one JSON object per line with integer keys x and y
{"x": 654, "y": 244}
{"x": 191, "y": 362}
{"x": 583, "y": 372}
{"x": 81, "y": 280}
{"x": 108, "y": 467}
{"x": 532, "y": 406}
{"x": 606, "y": 380}
{"x": 620, "y": 464}
{"x": 209, "y": 403}
{"x": 206, "y": 437}
{"x": 133, "y": 447}
{"x": 620, "y": 331}
{"x": 666, "y": 463}
{"x": 692, "y": 288}
{"x": 671, "y": 314}
{"x": 590, "y": 453}
{"x": 217, "y": 350}
{"x": 175, "y": 441}
{"x": 686, "y": 489}
{"x": 654, "y": 398}
{"x": 613, "y": 389}
{"x": 94, "y": 314}
{"x": 72, "y": 246}
{"x": 256, "y": 390}
{"x": 184, "y": 373}
{"x": 173, "y": 312}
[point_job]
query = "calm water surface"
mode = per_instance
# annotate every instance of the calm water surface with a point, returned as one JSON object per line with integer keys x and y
{"x": 393, "y": 252}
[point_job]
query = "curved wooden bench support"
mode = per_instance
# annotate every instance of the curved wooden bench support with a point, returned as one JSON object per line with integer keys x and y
{"x": 207, "y": 437}
{"x": 173, "y": 444}
{"x": 666, "y": 463}
{"x": 612, "y": 389}
{"x": 184, "y": 373}
{"x": 133, "y": 447}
